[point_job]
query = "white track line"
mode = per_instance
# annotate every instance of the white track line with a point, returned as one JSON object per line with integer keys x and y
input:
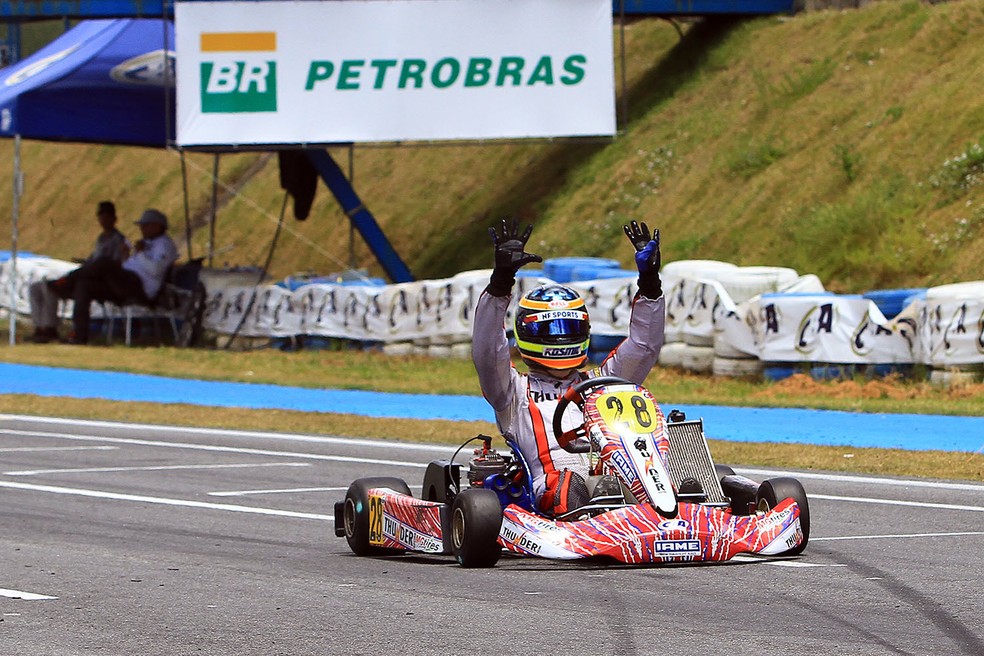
{"x": 26, "y": 449}
{"x": 265, "y": 435}
{"x": 26, "y": 596}
{"x": 212, "y": 447}
{"x": 391, "y": 445}
{"x": 844, "y": 478}
{"x": 755, "y": 558}
{"x": 35, "y": 472}
{"x": 98, "y": 494}
{"x": 897, "y": 502}
{"x": 897, "y": 537}
{"x": 242, "y": 493}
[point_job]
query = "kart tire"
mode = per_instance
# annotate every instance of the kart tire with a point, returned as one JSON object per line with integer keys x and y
{"x": 476, "y": 517}
{"x": 723, "y": 470}
{"x": 356, "y": 513}
{"x": 773, "y": 491}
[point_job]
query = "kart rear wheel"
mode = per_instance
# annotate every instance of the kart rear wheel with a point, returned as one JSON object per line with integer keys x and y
{"x": 356, "y": 513}
{"x": 476, "y": 517}
{"x": 774, "y": 491}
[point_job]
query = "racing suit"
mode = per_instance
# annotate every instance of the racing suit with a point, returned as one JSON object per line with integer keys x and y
{"x": 524, "y": 403}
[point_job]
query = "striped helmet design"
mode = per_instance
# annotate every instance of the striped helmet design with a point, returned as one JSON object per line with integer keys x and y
{"x": 552, "y": 327}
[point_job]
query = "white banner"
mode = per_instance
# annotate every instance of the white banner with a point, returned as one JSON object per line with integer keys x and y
{"x": 392, "y": 70}
{"x": 800, "y": 325}
{"x": 829, "y": 328}
{"x": 952, "y": 331}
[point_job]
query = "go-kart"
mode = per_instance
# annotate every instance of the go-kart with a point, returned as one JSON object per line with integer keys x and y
{"x": 657, "y": 496}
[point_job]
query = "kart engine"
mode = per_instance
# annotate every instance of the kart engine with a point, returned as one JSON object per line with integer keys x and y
{"x": 483, "y": 464}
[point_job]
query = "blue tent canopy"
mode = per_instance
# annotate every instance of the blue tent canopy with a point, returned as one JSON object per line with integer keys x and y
{"x": 104, "y": 81}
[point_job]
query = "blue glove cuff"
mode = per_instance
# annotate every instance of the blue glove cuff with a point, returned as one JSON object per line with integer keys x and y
{"x": 644, "y": 258}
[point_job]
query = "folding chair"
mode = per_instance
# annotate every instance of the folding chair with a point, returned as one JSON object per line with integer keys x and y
{"x": 181, "y": 300}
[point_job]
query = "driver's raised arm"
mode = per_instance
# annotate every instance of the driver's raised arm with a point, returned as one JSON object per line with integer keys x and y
{"x": 637, "y": 354}
{"x": 490, "y": 349}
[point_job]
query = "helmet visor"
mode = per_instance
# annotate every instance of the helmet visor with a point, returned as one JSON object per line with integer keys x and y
{"x": 557, "y": 324}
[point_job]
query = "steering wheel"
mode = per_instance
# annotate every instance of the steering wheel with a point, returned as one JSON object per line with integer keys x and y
{"x": 573, "y": 440}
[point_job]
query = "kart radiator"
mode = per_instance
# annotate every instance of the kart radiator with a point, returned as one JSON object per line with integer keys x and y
{"x": 690, "y": 458}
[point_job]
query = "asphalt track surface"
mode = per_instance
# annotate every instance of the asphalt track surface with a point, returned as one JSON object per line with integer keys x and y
{"x": 127, "y": 539}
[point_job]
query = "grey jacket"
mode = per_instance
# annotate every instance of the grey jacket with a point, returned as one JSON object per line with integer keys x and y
{"x": 111, "y": 245}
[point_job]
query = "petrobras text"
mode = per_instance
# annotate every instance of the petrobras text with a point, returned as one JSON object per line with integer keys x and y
{"x": 335, "y": 71}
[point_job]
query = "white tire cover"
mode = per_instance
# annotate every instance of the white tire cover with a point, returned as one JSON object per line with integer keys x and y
{"x": 698, "y": 340}
{"x": 808, "y": 284}
{"x": 696, "y": 268}
{"x": 674, "y": 336}
{"x": 949, "y": 378}
{"x": 439, "y": 351}
{"x": 748, "y": 282}
{"x": 699, "y": 359}
{"x": 462, "y": 351}
{"x": 723, "y": 349}
{"x": 737, "y": 368}
{"x": 398, "y": 348}
{"x": 671, "y": 355}
{"x": 973, "y": 290}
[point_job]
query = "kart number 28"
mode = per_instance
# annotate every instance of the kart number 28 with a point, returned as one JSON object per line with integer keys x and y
{"x": 633, "y": 411}
{"x": 375, "y": 519}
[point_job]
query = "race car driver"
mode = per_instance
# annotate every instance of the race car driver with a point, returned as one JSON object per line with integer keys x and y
{"x": 552, "y": 332}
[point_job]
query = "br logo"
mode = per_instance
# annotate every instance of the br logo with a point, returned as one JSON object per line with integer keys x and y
{"x": 240, "y": 78}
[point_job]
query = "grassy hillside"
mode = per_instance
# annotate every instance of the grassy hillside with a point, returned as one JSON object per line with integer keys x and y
{"x": 843, "y": 143}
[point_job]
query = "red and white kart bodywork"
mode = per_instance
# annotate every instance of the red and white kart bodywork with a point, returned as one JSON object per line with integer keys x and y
{"x": 670, "y": 509}
{"x": 638, "y": 534}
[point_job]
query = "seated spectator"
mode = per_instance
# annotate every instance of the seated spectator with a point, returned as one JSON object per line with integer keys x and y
{"x": 44, "y": 301}
{"x": 136, "y": 280}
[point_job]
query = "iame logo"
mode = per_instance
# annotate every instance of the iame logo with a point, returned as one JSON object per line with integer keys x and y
{"x": 240, "y": 77}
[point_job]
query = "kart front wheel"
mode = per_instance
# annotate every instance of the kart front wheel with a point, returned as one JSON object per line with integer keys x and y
{"x": 774, "y": 491}
{"x": 476, "y": 517}
{"x": 356, "y": 513}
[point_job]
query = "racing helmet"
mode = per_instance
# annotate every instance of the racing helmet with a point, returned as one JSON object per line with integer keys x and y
{"x": 552, "y": 327}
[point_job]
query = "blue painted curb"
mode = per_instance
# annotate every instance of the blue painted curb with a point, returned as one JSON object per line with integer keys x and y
{"x": 822, "y": 427}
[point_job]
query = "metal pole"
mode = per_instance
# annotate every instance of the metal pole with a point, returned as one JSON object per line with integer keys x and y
{"x": 15, "y": 215}
{"x": 625, "y": 88}
{"x": 215, "y": 203}
{"x": 351, "y": 167}
{"x": 187, "y": 209}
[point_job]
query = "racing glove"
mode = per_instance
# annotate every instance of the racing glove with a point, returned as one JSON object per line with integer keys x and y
{"x": 510, "y": 256}
{"x": 647, "y": 258}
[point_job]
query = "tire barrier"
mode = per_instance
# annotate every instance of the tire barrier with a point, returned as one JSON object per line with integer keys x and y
{"x": 698, "y": 359}
{"x": 891, "y": 302}
{"x": 797, "y": 327}
{"x": 954, "y": 378}
{"x": 562, "y": 269}
{"x": 681, "y": 280}
{"x": 951, "y": 330}
{"x": 30, "y": 269}
{"x": 737, "y": 367}
{"x": 672, "y": 355}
